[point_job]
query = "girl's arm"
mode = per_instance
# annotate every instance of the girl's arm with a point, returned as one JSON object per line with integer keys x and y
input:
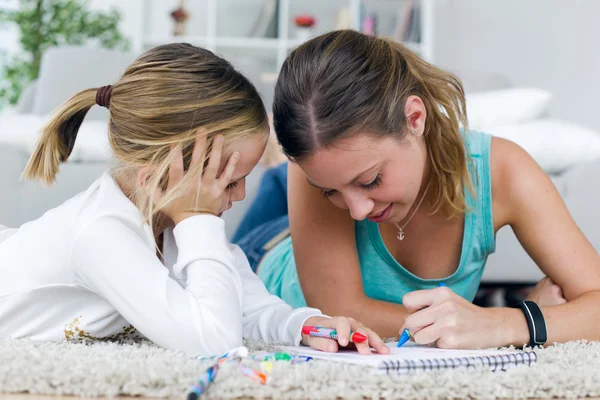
{"x": 327, "y": 261}
{"x": 267, "y": 317}
{"x": 113, "y": 258}
{"x": 526, "y": 199}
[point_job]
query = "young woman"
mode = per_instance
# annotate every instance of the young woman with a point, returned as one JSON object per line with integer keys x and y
{"x": 390, "y": 194}
{"x": 143, "y": 249}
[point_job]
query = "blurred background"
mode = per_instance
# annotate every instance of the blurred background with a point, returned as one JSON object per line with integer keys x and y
{"x": 530, "y": 70}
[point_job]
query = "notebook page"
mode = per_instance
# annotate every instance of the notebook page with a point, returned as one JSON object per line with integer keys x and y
{"x": 409, "y": 351}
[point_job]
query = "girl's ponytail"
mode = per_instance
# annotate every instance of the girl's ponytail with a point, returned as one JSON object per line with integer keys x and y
{"x": 58, "y": 137}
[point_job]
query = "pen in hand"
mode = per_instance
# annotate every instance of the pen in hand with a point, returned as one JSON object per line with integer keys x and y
{"x": 405, "y": 337}
{"x": 318, "y": 331}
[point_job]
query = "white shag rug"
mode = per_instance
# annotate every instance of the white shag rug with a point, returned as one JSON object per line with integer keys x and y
{"x": 143, "y": 369}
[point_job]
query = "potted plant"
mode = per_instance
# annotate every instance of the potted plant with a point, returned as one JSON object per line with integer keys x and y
{"x": 48, "y": 23}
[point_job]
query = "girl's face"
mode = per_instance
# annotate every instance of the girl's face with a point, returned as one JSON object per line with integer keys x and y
{"x": 372, "y": 177}
{"x": 251, "y": 150}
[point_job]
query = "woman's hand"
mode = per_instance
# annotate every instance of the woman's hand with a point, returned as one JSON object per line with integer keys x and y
{"x": 443, "y": 318}
{"x": 344, "y": 326}
{"x": 547, "y": 293}
{"x": 205, "y": 197}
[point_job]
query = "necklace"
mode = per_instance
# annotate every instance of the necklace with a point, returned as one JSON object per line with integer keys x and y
{"x": 400, "y": 235}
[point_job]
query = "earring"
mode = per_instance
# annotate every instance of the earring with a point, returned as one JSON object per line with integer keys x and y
{"x": 414, "y": 131}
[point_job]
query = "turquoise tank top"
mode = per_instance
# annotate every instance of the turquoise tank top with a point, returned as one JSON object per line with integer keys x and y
{"x": 383, "y": 277}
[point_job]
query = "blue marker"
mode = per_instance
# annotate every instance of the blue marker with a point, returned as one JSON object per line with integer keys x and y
{"x": 405, "y": 337}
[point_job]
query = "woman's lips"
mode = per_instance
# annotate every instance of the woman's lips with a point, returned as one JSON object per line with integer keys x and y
{"x": 382, "y": 216}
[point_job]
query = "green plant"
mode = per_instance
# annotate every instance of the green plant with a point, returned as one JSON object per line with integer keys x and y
{"x": 48, "y": 23}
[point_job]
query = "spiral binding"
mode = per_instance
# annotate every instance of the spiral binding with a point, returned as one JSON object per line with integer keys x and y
{"x": 498, "y": 362}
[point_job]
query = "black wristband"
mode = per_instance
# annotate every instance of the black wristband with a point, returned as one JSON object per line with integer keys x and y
{"x": 538, "y": 334}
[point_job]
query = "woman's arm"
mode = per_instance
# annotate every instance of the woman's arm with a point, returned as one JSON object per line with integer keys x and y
{"x": 526, "y": 199}
{"x": 327, "y": 261}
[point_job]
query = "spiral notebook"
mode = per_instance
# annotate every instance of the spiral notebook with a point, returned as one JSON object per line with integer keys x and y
{"x": 412, "y": 357}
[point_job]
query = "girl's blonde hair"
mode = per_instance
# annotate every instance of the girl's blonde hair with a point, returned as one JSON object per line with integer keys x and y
{"x": 345, "y": 83}
{"x": 167, "y": 97}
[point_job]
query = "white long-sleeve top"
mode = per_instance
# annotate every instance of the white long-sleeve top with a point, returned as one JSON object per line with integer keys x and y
{"x": 88, "y": 269}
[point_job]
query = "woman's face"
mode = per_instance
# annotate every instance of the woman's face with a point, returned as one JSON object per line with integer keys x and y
{"x": 378, "y": 178}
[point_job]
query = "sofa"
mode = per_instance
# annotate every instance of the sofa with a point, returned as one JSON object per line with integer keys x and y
{"x": 494, "y": 106}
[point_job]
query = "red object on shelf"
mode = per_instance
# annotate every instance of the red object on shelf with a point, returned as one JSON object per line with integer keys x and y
{"x": 180, "y": 14}
{"x": 304, "y": 21}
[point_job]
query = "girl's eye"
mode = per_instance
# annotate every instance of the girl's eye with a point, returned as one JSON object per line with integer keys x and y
{"x": 376, "y": 182}
{"x": 232, "y": 185}
{"x": 327, "y": 193}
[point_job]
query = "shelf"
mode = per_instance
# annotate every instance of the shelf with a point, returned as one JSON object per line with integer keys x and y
{"x": 292, "y": 43}
{"x": 383, "y": 3}
{"x": 239, "y": 42}
{"x": 277, "y": 49}
{"x": 255, "y": 43}
{"x": 158, "y": 40}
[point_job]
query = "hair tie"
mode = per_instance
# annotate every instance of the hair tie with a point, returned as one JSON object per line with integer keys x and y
{"x": 103, "y": 96}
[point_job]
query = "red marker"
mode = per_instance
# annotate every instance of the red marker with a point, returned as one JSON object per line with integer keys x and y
{"x": 318, "y": 331}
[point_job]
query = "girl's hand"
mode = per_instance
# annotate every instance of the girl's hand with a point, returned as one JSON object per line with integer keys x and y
{"x": 441, "y": 317}
{"x": 205, "y": 197}
{"x": 344, "y": 326}
{"x": 547, "y": 293}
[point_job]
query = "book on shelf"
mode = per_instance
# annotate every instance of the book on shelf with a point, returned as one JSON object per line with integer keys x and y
{"x": 403, "y": 26}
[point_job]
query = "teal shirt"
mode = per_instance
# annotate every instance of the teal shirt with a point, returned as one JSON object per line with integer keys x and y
{"x": 383, "y": 277}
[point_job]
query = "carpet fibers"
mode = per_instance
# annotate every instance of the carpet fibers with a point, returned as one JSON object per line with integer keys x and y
{"x": 109, "y": 369}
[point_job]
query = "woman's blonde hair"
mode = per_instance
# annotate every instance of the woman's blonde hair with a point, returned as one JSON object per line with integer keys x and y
{"x": 345, "y": 83}
{"x": 167, "y": 97}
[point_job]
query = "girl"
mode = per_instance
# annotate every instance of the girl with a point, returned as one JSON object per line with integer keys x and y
{"x": 389, "y": 195}
{"x": 143, "y": 249}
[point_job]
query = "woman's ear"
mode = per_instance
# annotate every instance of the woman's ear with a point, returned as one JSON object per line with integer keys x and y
{"x": 416, "y": 114}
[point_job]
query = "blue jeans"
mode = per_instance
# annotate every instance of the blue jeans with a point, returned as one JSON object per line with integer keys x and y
{"x": 267, "y": 217}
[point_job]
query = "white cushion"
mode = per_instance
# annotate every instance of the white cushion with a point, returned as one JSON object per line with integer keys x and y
{"x": 22, "y": 131}
{"x": 555, "y": 144}
{"x": 506, "y": 106}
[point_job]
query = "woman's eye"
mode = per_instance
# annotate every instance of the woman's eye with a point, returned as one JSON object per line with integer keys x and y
{"x": 376, "y": 182}
{"x": 232, "y": 185}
